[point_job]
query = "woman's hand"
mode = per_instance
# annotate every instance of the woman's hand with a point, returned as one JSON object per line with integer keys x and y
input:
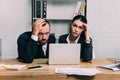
{"x": 87, "y": 32}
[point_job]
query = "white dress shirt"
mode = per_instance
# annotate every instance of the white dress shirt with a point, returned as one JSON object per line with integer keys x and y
{"x": 68, "y": 40}
{"x": 44, "y": 47}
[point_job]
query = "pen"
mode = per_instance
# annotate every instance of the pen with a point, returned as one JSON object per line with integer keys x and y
{"x": 34, "y": 67}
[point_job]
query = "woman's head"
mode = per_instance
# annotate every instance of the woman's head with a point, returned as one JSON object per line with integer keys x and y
{"x": 77, "y": 26}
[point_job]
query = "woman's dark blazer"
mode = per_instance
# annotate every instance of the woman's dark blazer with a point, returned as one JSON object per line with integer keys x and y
{"x": 86, "y": 48}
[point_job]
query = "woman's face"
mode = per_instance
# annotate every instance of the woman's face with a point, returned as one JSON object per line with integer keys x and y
{"x": 77, "y": 28}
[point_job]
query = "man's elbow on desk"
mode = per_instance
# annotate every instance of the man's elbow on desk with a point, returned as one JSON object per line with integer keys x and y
{"x": 26, "y": 61}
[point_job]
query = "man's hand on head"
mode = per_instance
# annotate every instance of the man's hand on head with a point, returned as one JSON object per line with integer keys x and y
{"x": 36, "y": 26}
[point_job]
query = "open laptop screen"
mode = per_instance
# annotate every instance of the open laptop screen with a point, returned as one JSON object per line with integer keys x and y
{"x": 64, "y": 53}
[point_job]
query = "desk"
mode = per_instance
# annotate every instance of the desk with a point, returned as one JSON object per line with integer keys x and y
{"x": 47, "y": 71}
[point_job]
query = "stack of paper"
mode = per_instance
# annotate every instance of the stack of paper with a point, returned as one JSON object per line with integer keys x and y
{"x": 1, "y": 66}
{"x": 113, "y": 67}
{"x": 78, "y": 71}
{"x": 14, "y": 67}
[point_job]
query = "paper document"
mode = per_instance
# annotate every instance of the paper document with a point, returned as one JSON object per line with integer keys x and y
{"x": 113, "y": 67}
{"x": 14, "y": 66}
{"x": 78, "y": 71}
{"x": 1, "y": 66}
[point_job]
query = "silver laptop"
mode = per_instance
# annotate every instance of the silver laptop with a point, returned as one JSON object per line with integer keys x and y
{"x": 64, "y": 53}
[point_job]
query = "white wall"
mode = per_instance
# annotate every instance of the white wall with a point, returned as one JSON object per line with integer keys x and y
{"x": 104, "y": 21}
{"x": 15, "y": 18}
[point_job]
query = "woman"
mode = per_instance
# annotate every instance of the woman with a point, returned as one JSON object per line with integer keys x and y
{"x": 79, "y": 33}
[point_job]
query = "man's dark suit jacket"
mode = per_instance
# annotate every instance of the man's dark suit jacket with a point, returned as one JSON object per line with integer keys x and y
{"x": 86, "y": 48}
{"x": 28, "y": 49}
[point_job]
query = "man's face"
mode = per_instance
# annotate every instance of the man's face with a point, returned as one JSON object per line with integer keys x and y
{"x": 77, "y": 28}
{"x": 44, "y": 34}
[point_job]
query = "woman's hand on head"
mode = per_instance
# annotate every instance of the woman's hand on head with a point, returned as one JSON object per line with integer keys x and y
{"x": 87, "y": 31}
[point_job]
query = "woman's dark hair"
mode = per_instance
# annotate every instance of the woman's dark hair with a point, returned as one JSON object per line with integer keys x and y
{"x": 81, "y": 18}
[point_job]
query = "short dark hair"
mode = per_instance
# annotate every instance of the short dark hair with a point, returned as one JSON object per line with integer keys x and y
{"x": 43, "y": 24}
{"x": 47, "y": 22}
{"x": 81, "y": 18}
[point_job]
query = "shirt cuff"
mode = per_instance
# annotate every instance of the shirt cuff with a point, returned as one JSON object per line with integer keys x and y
{"x": 35, "y": 38}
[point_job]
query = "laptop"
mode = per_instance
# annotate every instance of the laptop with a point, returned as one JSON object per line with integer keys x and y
{"x": 64, "y": 53}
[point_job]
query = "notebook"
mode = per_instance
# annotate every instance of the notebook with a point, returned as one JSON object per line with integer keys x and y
{"x": 64, "y": 54}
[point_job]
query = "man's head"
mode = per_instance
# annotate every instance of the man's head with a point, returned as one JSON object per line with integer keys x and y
{"x": 41, "y": 28}
{"x": 44, "y": 32}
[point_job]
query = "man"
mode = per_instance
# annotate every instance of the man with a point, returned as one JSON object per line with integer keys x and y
{"x": 35, "y": 44}
{"x": 79, "y": 33}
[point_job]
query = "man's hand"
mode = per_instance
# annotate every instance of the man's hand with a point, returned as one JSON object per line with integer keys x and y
{"x": 36, "y": 26}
